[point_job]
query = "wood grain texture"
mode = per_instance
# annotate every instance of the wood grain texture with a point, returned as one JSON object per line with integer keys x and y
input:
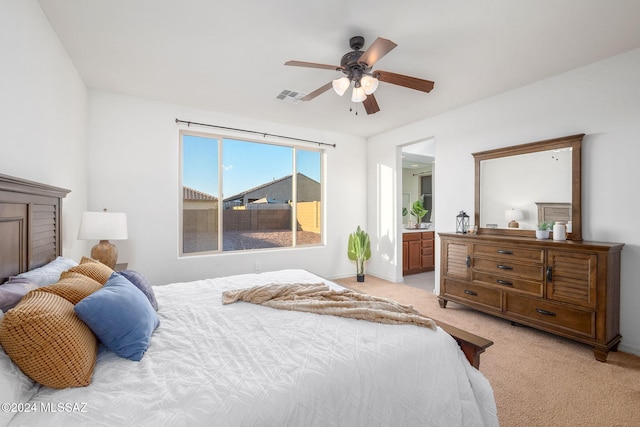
{"x": 30, "y": 221}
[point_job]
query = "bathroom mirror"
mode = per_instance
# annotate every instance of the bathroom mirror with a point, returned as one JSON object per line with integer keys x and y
{"x": 515, "y": 186}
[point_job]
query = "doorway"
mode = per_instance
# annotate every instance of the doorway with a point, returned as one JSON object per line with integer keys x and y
{"x": 418, "y": 176}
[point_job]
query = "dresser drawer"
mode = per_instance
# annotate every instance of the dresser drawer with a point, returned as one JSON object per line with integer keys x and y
{"x": 505, "y": 267}
{"x": 509, "y": 252}
{"x": 551, "y": 315}
{"x": 473, "y": 293}
{"x": 510, "y": 283}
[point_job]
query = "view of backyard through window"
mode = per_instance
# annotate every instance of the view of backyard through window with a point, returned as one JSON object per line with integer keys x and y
{"x": 242, "y": 195}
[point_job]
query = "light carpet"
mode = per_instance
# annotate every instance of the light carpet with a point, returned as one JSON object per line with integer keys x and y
{"x": 538, "y": 379}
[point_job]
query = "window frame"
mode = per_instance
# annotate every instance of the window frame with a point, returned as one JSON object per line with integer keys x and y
{"x": 220, "y": 138}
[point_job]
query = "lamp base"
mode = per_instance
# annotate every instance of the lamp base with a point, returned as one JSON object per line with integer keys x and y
{"x": 106, "y": 253}
{"x": 514, "y": 224}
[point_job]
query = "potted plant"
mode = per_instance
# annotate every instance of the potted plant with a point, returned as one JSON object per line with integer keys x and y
{"x": 542, "y": 230}
{"x": 359, "y": 250}
{"x": 418, "y": 211}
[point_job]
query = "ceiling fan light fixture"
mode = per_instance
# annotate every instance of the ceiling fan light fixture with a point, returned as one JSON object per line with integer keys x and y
{"x": 369, "y": 83}
{"x": 358, "y": 94}
{"x": 341, "y": 85}
{"x": 357, "y": 68}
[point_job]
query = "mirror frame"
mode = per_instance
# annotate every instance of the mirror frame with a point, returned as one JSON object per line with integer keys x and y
{"x": 573, "y": 141}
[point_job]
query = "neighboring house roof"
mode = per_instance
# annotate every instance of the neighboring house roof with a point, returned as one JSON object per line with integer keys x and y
{"x": 266, "y": 200}
{"x": 189, "y": 193}
{"x": 266, "y": 184}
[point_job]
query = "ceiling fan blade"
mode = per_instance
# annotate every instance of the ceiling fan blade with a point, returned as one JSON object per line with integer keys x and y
{"x": 317, "y": 92}
{"x": 377, "y": 50}
{"x": 406, "y": 81}
{"x": 313, "y": 65}
{"x": 371, "y": 105}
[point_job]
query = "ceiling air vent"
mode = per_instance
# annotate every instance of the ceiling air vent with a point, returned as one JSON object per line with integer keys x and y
{"x": 291, "y": 96}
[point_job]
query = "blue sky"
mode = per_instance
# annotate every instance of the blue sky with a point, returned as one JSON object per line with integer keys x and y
{"x": 246, "y": 164}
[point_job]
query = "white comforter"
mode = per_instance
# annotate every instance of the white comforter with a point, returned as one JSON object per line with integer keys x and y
{"x": 248, "y": 365}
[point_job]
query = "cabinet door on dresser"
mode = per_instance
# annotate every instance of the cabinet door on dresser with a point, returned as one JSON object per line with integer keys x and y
{"x": 455, "y": 263}
{"x": 456, "y": 259}
{"x": 572, "y": 277}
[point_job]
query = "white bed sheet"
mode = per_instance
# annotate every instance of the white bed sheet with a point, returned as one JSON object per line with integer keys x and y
{"x": 248, "y": 365}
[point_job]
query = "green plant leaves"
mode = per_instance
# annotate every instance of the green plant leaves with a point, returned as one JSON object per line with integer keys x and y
{"x": 359, "y": 248}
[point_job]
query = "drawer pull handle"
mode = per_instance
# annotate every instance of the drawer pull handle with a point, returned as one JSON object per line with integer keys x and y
{"x": 468, "y": 261}
{"x": 504, "y": 282}
{"x": 549, "y": 274}
{"x": 545, "y": 312}
{"x": 504, "y": 267}
{"x": 504, "y": 252}
{"x": 468, "y": 292}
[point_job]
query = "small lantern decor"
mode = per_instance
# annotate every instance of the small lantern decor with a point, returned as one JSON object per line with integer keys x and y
{"x": 462, "y": 223}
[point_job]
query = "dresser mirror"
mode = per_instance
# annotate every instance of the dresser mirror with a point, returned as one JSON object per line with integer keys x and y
{"x": 518, "y": 187}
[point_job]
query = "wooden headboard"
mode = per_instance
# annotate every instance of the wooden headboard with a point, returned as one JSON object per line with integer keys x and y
{"x": 30, "y": 225}
{"x": 552, "y": 212}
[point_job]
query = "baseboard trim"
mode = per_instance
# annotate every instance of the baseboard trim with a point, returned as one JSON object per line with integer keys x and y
{"x": 629, "y": 349}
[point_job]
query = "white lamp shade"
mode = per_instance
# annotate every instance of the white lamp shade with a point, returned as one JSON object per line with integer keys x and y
{"x": 358, "y": 94}
{"x": 513, "y": 214}
{"x": 341, "y": 85}
{"x": 369, "y": 83}
{"x": 103, "y": 226}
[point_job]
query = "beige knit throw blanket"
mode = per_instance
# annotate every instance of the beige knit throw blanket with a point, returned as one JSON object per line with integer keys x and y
{"x": 320, "y": 299}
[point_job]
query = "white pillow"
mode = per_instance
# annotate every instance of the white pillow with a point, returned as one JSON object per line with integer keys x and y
{"x": 48, "y": 274}
{"x": 15, "y": 387}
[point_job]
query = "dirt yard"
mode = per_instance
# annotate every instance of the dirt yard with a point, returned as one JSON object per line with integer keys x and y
{"x": 243, "y": 240}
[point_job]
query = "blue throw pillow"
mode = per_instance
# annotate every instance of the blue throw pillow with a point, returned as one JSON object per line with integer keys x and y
{"x": 141, "y": 282}
{"x": 121, "y": 317}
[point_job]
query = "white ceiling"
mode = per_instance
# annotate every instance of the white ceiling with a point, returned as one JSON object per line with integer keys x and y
{"x": 228, "y": 56}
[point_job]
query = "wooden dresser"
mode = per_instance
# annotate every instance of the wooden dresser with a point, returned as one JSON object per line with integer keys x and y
{"x": 568, "y": 288}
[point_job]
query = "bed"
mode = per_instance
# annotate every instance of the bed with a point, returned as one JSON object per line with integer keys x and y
{"x": 240, "y": 364}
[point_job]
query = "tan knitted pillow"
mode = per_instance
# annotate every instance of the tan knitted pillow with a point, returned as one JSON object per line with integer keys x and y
{"x": 91, "y": 268}
{"x": 44, "y": 337}
{"x": 73, "y": 287}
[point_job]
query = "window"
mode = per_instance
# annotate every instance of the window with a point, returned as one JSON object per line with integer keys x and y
{"x": 242, "y": 195}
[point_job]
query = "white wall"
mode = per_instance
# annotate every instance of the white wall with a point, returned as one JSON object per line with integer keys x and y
{"x": 122, "y": 153}
{"x": 43, "y": 111}
{"x": 600, "y": 100}
{"x": 134, "y": 168}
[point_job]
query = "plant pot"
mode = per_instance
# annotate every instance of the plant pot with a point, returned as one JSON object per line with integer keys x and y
{"x": 360, "y": 277}
{"x": 542, "y": 234}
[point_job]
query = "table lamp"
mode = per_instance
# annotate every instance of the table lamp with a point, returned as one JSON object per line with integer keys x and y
{"x": 513, "y": 215}
{"x": 104, "y": 226}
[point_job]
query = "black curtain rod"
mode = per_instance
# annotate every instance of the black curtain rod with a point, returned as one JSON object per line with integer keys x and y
{"x": 254, "y": 132}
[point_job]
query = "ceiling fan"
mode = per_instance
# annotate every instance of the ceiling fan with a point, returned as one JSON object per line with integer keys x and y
{"x": 356, "y": 65}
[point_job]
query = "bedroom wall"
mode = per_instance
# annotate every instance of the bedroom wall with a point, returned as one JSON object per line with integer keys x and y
{"x": 600, "y": 100}
{"x": 134, "y": 161}
{"x": 43, "y": 106}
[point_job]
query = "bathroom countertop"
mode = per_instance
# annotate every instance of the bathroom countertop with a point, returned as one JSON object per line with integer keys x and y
{"x": 416, "y": 230}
